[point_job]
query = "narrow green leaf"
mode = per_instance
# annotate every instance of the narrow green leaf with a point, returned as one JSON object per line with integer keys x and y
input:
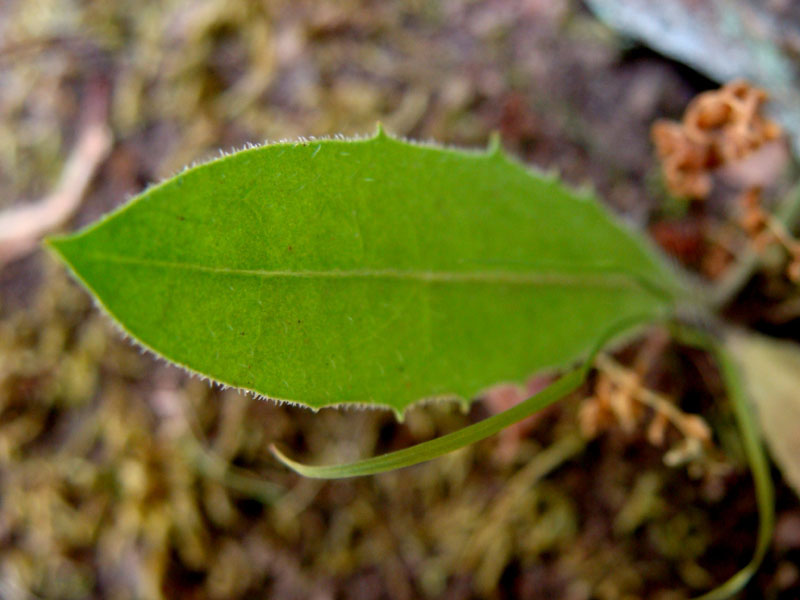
{"x": 369, "y": 271}
{"x": 730, "y": 367}
{"x": 442, "y": 445}
{"x": 468, "y": 435}
{"x": 765, "y": 495}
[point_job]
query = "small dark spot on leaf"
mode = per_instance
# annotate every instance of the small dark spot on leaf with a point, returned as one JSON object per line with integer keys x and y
{"x": 180, "y": 218}
{"x": 289, "y": 248}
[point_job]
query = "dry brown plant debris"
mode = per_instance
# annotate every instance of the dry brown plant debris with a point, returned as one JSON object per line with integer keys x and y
{"x": 22, "y": 227}
{"x": 620, "y": 397}
{"x": 718, "y": 128}
{"x": 725, "y": 131}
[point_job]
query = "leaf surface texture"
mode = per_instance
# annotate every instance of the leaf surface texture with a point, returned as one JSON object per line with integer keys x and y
{"x": 370, "y": 271}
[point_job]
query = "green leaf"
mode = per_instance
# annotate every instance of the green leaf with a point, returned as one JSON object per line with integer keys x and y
{"x": 730, "y": 366}
{"x": 370, "y": 271}
{"x": 765, "y": 493}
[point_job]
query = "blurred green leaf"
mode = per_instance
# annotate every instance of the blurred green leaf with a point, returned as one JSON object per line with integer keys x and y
{"x": 368, "y": 271}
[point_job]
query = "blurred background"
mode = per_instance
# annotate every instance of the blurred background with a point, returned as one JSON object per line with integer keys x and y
{"x": 121, "y": 477}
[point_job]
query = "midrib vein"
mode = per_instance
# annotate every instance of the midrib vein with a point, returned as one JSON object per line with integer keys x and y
{"x": 590, "y": 277}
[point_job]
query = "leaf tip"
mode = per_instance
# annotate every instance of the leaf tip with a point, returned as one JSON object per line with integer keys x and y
{"x": 380, "y": 132}
{"x": 494, "y": 148}
{"x": 52, "y": 241}
{"x": 56, "y": 244}
{"x": 282, "y": 458}
{"x": 320, "y": 472}
{"x": 496, "y": 152}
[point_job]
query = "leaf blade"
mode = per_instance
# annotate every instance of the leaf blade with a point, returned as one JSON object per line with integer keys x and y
{"x": 370, "y": 271}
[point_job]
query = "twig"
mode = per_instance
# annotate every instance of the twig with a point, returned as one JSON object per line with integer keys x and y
{"x": 22, "y": 227}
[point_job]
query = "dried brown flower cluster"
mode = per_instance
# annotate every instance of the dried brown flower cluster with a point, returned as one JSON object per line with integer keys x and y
{"x": 620, "y": 397}
{"x": 718, "y": 128}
